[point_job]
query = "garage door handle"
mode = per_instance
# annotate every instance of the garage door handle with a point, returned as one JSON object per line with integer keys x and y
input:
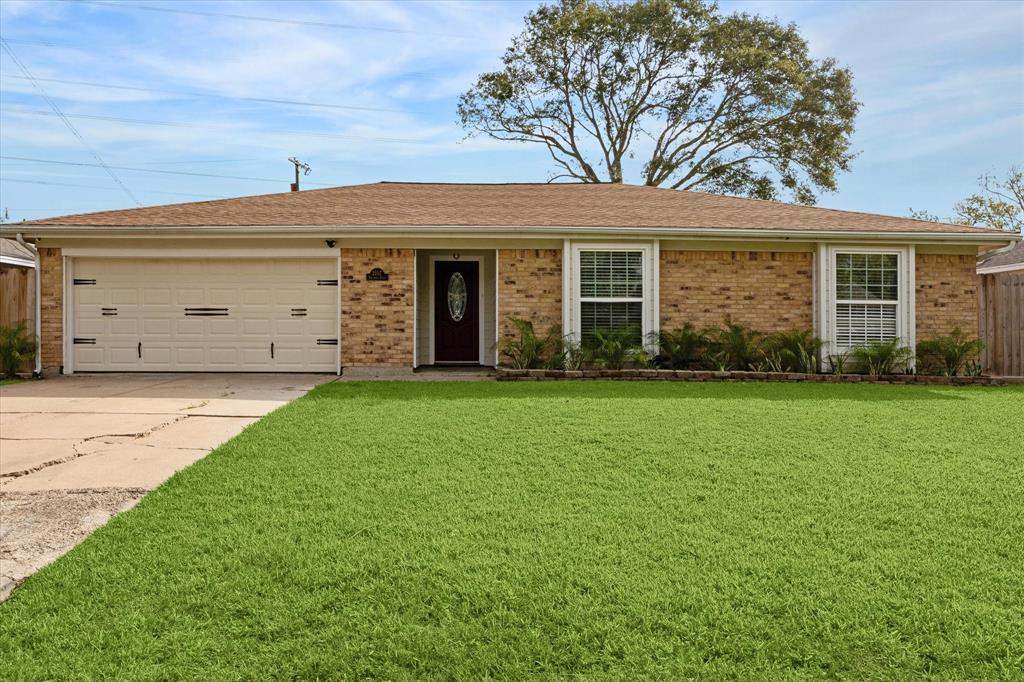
{"x": 271, "y": 350}
{"x": 140, "y": 350}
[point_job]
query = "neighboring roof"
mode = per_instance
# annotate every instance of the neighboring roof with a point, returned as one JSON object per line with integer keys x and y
{"x": 1012, "y": 259}
{"x": 13, "y": 253}
{"x": 408, "y": 204}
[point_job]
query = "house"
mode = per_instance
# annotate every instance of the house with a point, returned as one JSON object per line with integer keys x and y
{"x": 17, "y": 284}
{"x": 1001, "y": 307}
{"x": 388, "y": 277}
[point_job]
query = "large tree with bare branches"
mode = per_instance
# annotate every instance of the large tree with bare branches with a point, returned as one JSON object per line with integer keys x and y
{"x": 732, "y": 104}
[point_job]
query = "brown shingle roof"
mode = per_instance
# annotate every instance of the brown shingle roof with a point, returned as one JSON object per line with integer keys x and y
{"x": 494, "y": 205}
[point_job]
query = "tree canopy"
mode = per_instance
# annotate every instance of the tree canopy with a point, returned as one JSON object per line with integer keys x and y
{"x": 732, "y": 104}
{"x": 999, "y": 204}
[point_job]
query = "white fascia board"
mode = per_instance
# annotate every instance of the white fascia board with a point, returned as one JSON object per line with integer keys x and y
{"x": 1000, "y": 268}
{"x": 17, "y": 262}
{"x": 343, "y": 232}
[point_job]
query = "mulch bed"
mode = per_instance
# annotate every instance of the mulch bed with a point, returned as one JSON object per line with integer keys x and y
{"x": 506, "y": 374}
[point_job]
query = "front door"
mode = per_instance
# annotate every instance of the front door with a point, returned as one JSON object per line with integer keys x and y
{"x": 456, "y": 311}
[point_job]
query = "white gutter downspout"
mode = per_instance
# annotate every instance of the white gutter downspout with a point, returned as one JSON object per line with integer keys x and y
{"x": 39, "y": 305}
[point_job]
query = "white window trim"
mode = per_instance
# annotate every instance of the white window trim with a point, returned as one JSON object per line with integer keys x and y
{"x": 825, "y": 283}
{"x": 571, "y": 277}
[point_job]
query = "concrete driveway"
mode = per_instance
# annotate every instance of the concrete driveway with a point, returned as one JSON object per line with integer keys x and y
{"x": 76, "y": 450}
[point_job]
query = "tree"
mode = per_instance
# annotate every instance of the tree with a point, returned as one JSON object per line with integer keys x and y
{"x": 999, "y": 204}
{"x": 728, "y": 104}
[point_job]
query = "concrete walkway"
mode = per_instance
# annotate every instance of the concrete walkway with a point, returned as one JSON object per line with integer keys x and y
{"x": 76, "y": 450}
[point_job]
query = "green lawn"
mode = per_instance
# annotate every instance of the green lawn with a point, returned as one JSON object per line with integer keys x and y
{"x": 512, "y": 530}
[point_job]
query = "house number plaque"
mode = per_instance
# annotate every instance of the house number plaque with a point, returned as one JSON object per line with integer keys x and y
{"x": 376, "y": 275}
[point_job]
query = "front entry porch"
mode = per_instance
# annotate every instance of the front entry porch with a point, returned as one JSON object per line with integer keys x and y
{"x": 456, "y": 308}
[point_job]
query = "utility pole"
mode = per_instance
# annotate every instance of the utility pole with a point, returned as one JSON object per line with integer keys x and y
{"x": 305, "y": 171}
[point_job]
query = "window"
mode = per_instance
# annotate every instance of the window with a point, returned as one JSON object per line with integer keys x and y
{"x": 611, "y": 292}
{"x": 867, "y": 298}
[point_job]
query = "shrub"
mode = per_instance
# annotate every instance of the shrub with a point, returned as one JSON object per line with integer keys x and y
{"x": 735, "y": 346}
{"x": 565, "y": 353}
{"x": 680, "y": 349}
{"x": 613, "y": 349}
{"x": 525, "y": 351}
{"x": 949, "y": 355}
{"x": 794, "y": 351}
{"x": 882, "y": 357}
{"x": 17, "y": 347}
{"x": 837, "y": 362}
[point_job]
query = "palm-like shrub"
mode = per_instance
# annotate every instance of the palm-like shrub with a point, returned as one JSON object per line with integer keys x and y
{"x": 613, "y": 349}
{"x": 949, "y": 355}
{"x": 882, "y": 357}
{"x": 735, "y": 346}
{"x": 564, "y": 352}
{"x": 680, "y": 348}
{"x": 17, "y": 347}
{"x": 794, "y": 351}
{"x": 526, "y": 350}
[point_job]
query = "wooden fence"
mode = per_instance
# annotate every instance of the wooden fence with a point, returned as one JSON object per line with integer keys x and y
{"x": 1001, "y": 322}
{"x": 17, "y": 302}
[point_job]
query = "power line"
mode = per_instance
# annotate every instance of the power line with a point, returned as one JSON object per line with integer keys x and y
{"x": 272, "y": 20}
{"x": 109, "y": 189}
{"x": 70, "y": 125}
{"x": 153, "y": 170}
{"x": 206, "y": 126}
{"x": 209, "y": 95}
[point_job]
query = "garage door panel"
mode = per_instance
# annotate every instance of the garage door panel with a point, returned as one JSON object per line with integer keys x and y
{"x": 151, "y": 295}
{"x": 156, "y": 327}
{"x": 157, "y": 297}
{"x": 124, "y": 296}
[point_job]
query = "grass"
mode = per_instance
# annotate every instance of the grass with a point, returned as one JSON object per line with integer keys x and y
{"x": 7, "y": 381}
{"x": 622, "y": 530}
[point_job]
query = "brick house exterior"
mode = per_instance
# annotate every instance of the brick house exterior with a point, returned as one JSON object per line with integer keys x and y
{"x": 546, "y": 253}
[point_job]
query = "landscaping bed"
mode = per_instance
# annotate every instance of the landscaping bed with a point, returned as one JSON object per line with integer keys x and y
{"x": 509, "y": 374}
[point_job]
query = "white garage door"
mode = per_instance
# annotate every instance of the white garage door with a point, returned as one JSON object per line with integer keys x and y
{"x": 213, "y": 315}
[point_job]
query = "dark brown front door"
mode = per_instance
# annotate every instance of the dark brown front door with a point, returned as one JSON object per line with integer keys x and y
{"x": 456, "y": 311}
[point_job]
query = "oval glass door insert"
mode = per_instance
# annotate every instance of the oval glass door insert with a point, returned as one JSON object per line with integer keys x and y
{"x": 457, "y": 296}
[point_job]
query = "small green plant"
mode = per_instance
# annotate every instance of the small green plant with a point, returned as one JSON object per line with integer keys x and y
{"x": 793, "y": 351}
{"x": 948, "y": 355}
{"x": 680, "y": 348}
{"x": 17, "y": 347}
{"x": 837, "y": 362}
{"x": 526, "y": 350}
{"x": 882, "y": 357}
{"x": 565, "y": 352}
{"x": 973, "y": 368}
{"x": 612, "y": 349}
{"x": 735, "y": 346}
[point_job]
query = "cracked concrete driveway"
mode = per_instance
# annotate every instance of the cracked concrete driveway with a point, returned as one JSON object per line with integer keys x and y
{"x": 76, "y": 450}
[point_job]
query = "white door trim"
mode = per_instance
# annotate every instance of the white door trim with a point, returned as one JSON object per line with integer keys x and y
{"x": 480, "y": 295}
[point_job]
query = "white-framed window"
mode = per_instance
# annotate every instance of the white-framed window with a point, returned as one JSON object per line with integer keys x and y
{"x": 611, "y": 287}
{"x": 866, "y": 294}
{"x": 867, "y": 298}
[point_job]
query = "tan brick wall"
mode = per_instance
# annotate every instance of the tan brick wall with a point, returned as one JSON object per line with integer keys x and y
{"x": 947, "y": 294}
{"x": 766, "y": 290}
{"x": 51, "y": 300}
{"x": 530, "y": 288}
{"x": 377, "y": 317}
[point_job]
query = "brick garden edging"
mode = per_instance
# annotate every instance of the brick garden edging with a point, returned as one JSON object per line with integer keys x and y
{"x": 506, "y": 374}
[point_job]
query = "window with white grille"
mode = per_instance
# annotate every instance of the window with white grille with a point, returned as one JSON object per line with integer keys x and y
{"x": 866, "y": 298}
{"x": 611, "y": 293}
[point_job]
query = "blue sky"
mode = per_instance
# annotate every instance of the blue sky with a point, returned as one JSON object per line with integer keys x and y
{"x": 942, "y": 85}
